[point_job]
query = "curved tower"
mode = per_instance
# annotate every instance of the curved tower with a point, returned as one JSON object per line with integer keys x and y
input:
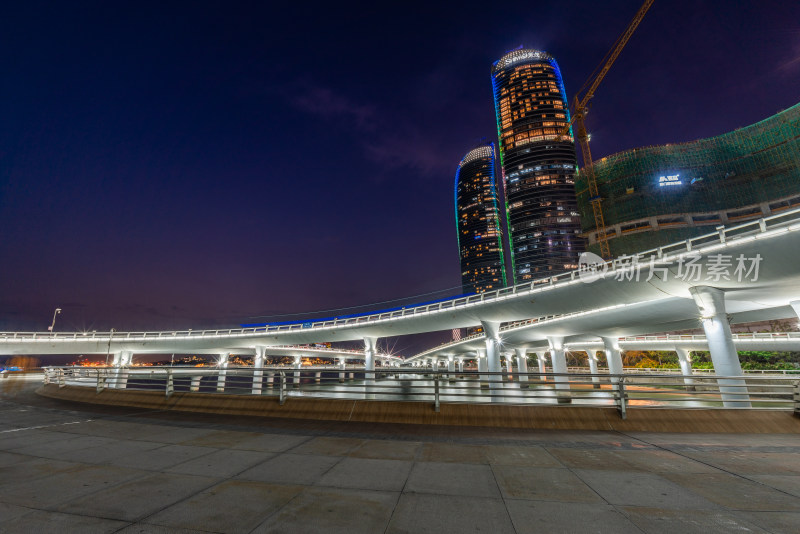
{"x": 480, "y": 239}
{"x": 538, "y": 167}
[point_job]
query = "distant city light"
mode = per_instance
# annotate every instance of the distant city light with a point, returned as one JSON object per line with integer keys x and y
{"x": 669, "y": 180}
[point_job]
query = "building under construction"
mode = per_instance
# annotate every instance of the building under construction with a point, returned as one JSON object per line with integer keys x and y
{"x": 661, "y": 194}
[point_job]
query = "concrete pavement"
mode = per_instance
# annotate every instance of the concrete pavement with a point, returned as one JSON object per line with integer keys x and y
{"x": 81, "y": 468}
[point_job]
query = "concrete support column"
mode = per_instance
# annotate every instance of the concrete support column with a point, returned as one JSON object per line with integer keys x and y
{"x": 613, "y": 355}
{"x": 592, "y": 355}
{"x": 559, "y": 359}
{"x": 711, "y": 305}
{"x": 195, "y": 384}
{"x": 298, "y": 364}
{"x": 451, "y": 368}
{"x": 342, "y": 366}
{"x": 685, "y": 360}
{"x": 370, "y": 349}
{"x": 541, "y": 361}
{"x": 122, "y": 360}
{"x": 522, "y": 366}
{"x": 270, "y": 379}
{"x": 258, "y": 372}
{"x": 492, "y": 331}
{"x": 461, "y": 365}
{"x": 318, "y": 377}
{"x": 483, "y": 379}
{"x": 222, "y": 365}
{"x": 509, "y": 365}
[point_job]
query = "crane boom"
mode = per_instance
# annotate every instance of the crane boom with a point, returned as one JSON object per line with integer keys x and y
{"x": 578, "y": 116}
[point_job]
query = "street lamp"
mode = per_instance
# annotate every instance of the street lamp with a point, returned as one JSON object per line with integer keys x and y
{"x": 53, "y": 324}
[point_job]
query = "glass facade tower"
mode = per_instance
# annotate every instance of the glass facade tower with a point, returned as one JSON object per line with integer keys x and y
{"x": 538, "y": 166}
{"x": 480, "y": 238}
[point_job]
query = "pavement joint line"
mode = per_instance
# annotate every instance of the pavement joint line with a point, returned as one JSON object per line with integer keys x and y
{"x": 502, "y": 497}
{"x": 737, "y": 475}
{"x": 45, "y": 426}
{"x": 576, "y": 475}
{"x": 195, "y": 494}
{"x": 618, "y": 508}
{"x": 403, "y": 489}
{"x": 287, "y": 503}
{"x": 216, "y": 482}
{"x": 55, "y": 510}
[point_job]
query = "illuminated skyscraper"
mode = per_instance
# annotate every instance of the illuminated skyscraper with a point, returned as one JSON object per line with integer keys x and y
{"x": 538, "y": 167}
{"x": 480, "y": 239}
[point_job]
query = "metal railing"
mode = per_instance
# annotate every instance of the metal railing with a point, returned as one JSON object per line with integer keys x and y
{"x": 695, "y": 370}
{"x": 757, "y": 229}
{"x": 645, "y": 390}
{"x": 577, "y": 345}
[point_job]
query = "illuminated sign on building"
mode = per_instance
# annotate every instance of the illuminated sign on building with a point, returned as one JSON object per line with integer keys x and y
{"x": 669, "y": 180}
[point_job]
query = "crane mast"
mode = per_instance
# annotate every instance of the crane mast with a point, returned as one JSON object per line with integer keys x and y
{"x": 581, "y": 107}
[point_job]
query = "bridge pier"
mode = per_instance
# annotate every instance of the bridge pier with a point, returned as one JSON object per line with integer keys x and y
{"x": 685, "y": 360}
{"x": 222, "y": 364}
{"x": 122, "y": 360}
{"x": 370, "y": 348}
{"x": 342, "y": 366}
{"x": 195, "y": 383}
{"x": 522, "y": 365}
{"x": 483, "y": 380}
{"x": 711, "y": 305}
{"x": 559, "y": 358}
{"x": 298, "y": 362}
{"x": 451, "y": 368}
{"x": 258, "y": 368}
{"x": 270, "y": 380}
{"x": 592, "y": 356}
{"x": 461, "y": 366}
{"x": 510, "y": 366}
{"x": 613, "y": 357}
{"x": 492, "y": 331}
{"x": 540, "y": 359}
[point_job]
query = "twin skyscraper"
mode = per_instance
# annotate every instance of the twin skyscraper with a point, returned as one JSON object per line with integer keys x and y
{"x": 537, "y": 166}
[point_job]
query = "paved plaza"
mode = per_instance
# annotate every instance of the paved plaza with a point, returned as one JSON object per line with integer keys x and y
{"x": 70, "y": 467}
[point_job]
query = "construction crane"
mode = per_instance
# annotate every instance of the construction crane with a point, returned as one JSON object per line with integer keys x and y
{"x": 581, "y": 108}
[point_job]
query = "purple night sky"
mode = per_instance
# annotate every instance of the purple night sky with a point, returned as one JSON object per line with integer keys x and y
{"x": 173, "y": 165}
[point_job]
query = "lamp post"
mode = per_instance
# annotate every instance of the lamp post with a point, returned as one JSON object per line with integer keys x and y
{"x": 53, "y": 324}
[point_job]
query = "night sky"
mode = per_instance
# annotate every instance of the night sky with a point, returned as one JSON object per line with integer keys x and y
{"x": 170, "y": 165}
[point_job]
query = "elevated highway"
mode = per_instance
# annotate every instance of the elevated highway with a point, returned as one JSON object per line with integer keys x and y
{"x": 653, "y": 292}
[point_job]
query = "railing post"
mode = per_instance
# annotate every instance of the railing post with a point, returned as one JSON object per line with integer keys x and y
{"x": 282, "y": 397}
{"x": 101, "y": 383}
{"x": 62, "y": 381}
{"x": 436, "y": 392}
{"x": 170, "y": 383}
{"x": 797, "y": 398}
{"x": 622, "y": 398}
